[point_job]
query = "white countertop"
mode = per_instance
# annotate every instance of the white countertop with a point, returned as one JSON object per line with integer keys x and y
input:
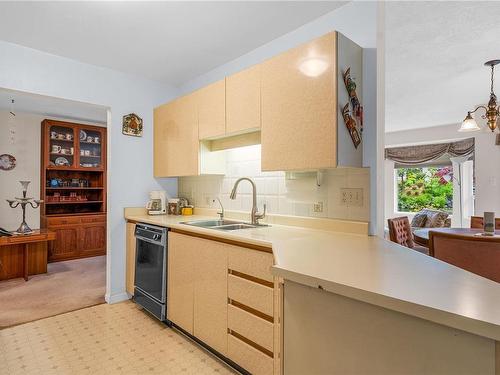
{"x": 369, "y": 269}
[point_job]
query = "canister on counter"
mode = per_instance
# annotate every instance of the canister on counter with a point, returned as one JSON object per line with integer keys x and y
{"x": 173, "y": 206}
{"x": 187, "y": 210}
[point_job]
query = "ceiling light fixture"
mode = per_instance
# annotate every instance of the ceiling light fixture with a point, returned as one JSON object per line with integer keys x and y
{"x": 492, "y": 112}
{"x": 313, "y": 66}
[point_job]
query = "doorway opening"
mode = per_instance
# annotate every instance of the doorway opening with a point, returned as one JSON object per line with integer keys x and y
{"x": 60, "y": 146}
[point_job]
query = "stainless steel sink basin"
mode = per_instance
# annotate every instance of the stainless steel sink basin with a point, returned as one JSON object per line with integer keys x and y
{"x": 236, "y": 226}
{"x": 210, "y": 223}
{"x": 222, "y": 224}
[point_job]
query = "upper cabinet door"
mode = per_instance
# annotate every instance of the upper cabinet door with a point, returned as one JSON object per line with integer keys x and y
{"x": 243, "y": 100}
{"x": 212, "y": 110}
{"x": 176, "y": 138}
{"x": 299, "y": 107}
{"x": 161, "y": 117}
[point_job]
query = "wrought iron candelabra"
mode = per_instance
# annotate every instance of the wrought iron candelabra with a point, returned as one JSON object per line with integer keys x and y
{"x": 35, "y": 203}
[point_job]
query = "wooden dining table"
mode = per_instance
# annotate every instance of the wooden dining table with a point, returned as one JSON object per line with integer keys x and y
{"x": 421, "y": 236}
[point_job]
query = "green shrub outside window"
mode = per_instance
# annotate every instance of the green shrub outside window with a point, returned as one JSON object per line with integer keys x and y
{"x": 429, "y": 187}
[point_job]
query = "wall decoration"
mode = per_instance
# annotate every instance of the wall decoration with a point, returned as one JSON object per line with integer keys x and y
{"x": 7, "y": 162}
{"x": 357, "y": 108}
{"x": 132, "y": 125}
{"x": 350, "y": 124}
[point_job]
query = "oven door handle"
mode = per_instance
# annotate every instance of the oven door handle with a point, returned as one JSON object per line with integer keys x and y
{"x": 150, "y": 241}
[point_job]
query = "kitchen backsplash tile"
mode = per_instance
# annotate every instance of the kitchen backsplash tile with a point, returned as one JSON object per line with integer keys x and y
{"x": 283, "y": 196}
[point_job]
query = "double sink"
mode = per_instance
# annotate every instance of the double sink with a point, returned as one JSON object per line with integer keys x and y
{"x": 225, "y": 225}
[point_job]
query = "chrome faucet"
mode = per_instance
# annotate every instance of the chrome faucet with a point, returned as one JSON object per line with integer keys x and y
{"x": 221, "y": 212}
{"x": 256, "y": 216}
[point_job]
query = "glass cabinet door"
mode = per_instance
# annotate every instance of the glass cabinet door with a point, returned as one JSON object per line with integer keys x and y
{"x": 61, "y": 146}
{"x": 90, "y": 148}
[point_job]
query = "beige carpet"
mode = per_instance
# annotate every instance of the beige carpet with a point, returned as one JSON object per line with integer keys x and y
{"x": 67, "y": 286}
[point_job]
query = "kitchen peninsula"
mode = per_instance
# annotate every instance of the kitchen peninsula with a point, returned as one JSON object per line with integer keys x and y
{"x": 348, "y": 295}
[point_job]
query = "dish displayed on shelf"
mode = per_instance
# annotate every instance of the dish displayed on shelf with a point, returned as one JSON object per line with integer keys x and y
{"x": 83, "y": 135}
{"x": 60, "y": 161}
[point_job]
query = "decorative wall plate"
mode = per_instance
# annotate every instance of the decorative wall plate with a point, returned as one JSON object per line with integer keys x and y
{"x": 60, "y": 161}
{"x": 7, "y": 162}
{"x": 132, "y": 125}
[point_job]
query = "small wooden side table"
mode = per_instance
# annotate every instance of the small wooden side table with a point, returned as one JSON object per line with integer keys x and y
{"x": 24, "y": 254}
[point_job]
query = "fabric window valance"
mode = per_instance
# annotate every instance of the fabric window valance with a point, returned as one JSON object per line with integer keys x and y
{"x": 414, "y": 155}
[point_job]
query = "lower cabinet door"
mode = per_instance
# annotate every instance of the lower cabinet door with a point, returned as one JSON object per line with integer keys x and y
{"x": 180, "y": 288}
{"x": 92, "y": 239}
{"x": 65, "y": 245}
{"x": 210, "y": 293}
{"x": 130, "y": 275}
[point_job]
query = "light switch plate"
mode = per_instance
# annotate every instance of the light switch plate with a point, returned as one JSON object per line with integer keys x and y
{"x": 351, "y": 197}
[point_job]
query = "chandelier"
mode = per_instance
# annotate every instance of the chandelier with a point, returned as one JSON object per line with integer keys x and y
{"x": 492, "y": 112}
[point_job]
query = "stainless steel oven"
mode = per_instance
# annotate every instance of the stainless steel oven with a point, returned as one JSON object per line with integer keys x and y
{"x": 150, "y": 285}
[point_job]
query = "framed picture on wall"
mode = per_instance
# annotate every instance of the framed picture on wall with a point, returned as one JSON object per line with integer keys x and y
{"x": 132, "y": 125}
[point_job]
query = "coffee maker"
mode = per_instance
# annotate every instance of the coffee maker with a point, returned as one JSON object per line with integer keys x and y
{"x": 157, "y": 204}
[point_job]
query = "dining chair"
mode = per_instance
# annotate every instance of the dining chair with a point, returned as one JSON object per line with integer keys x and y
{"x": 477, "y": 222}
{"x": 400, "y": 233}
{"x": 476, "y": 254}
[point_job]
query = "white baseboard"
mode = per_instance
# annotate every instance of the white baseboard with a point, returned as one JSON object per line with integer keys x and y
{"x": 115, "y": 298}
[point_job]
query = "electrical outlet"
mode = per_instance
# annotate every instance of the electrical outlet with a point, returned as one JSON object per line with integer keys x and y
{"x": 318, "y": 207}
{"x": 351, "y": 197}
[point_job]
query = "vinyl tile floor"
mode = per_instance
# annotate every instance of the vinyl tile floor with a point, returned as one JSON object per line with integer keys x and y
{"x": 103, "y": 339}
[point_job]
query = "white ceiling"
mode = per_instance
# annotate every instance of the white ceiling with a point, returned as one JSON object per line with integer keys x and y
{"x": 171, "y": 42}
{"x": 435, "y": 53}
{"x": 52, "y": 107}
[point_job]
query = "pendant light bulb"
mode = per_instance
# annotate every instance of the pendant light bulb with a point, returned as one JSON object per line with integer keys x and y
{"x": 469, "y": 124}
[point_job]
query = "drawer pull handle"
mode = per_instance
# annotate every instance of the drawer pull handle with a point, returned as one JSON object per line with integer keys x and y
{"x": 251, "y": 343}
{"x": 251, "y": 310}
{"x": 254, "y": 279}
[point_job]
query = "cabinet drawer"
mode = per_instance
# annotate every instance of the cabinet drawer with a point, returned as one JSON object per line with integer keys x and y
{"x": 62, "y": 221}
{"x": 252, "y": 327}
{"x": 94, "y": 219}
{"x": 251, "y": 262}
{"x": 248, "y": 357}
{"x": 251, "y": 294}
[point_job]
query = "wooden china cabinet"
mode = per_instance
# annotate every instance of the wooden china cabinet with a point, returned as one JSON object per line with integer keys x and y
{"x": 73, "y": 188}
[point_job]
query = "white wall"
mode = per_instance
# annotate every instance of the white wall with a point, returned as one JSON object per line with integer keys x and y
{"x": 26, "y": 150}
{"x": 487, "y": 160}
{"x": 130, "y": 162}
{"x": 282, "y": 196}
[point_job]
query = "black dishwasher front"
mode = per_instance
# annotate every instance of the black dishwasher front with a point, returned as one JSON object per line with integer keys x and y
{"x": 150, "y": 285}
